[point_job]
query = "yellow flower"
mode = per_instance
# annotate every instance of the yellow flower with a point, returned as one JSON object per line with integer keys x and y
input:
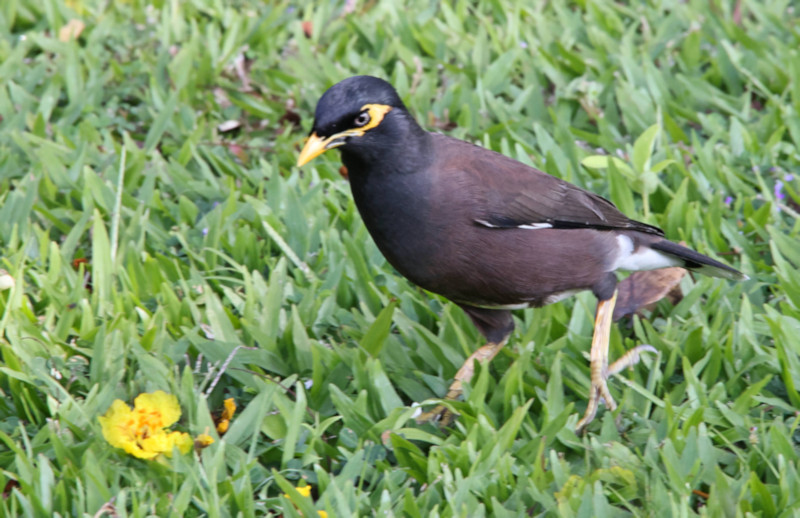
{"x": 226, "y": 416}
{"x": 140, "y": 431}
{"x": 203, "y": 441}
{"x": 305, "y": 492}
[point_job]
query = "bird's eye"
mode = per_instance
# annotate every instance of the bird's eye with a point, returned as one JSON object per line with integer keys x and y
{"x": 362, "y": 119}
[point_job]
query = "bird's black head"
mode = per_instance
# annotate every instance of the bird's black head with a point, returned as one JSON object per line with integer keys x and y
{"x": 360, "y": 114}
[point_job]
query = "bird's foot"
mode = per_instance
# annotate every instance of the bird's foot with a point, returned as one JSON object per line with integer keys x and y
{"x": 443, "y": 415}
{"x": 440, "y": 415}
{"x": 597, "y": 392}
{"x": 599, "y": 382}
{"x": 630, "y": 358}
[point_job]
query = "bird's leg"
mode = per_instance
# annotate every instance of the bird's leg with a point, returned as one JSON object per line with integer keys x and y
{"x": 599, "y": 362}
{"x": 483, "y": 355}
{"x": 600, "y": 369}
{"x": 630, "y": 358}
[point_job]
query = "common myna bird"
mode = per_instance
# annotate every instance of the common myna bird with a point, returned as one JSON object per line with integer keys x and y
{"x": 485, "y": 231}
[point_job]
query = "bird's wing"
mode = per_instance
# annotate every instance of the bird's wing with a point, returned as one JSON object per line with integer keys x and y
{"x": 544, "y": 201}
{"x": 513, "y": 194}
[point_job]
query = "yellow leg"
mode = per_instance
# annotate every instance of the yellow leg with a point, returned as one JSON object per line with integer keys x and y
{"x": 600, "y": 370}
{"x": 483, "y": 355}
{"x": 599, "y": 362}
{"x": 630, "y": 358}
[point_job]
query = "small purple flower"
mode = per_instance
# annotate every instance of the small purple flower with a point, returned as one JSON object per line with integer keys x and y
{"x": 523, "y": 44}
{"x": 788, "y": 177}
{"x": 728, "y": 201}
{"x": 779, "y": 194}
{"x": 205, "y": 231}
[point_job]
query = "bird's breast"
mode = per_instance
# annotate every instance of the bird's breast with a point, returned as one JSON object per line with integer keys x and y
{"x": 396, "y": 210}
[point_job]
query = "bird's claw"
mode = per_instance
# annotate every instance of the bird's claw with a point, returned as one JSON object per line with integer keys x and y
{"x": 630, "y": 358}
{"x": 440, "y": 415}
{"x": 599, "y": 393}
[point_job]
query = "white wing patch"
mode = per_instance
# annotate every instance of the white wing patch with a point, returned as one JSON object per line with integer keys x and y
{"x": 536, "y": 226}
{"x": 531, "y": 226}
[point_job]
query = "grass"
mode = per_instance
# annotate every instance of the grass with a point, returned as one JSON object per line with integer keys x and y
{"x": 149, "y": 250}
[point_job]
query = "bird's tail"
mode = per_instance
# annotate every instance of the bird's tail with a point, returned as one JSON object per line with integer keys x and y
{"x": 698, "y": 262}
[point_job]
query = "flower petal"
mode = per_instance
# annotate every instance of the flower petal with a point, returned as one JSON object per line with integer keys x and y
{"x": 158, "y": 408}
{"x": 140, "y": 431}
{"x": 230, "y": 408}
{"x": 225, "y": 417}
{"x": 117, "y": 424}
{"x": 203, "y": 441}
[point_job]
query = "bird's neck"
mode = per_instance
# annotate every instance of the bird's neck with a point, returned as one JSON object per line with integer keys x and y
{"x": 405, "y": 149}
{"x": 391, "y": 194}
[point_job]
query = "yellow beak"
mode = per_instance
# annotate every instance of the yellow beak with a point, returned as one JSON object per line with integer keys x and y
{"x": 315, "y": 146}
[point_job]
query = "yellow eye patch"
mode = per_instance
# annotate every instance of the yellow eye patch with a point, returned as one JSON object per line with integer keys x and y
{"x": 316, "y": 145}
{"x": 376, "y": 114}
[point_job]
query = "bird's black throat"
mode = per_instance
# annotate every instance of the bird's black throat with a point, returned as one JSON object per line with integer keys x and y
{"x": 390, "y": 182}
